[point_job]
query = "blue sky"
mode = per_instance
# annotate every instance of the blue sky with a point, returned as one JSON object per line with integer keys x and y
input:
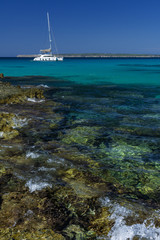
{"x": 80, "y": 26}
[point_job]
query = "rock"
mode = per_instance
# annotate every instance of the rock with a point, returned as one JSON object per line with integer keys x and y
{"x": 75, "y": 156}
{"x": 82, "y": 135}
{"x": 9, "y": 122}
{"x": 1, "y": 75}
{"x": 84, "y": 184}
{"x": 14, "y": 94}
{"x": 21, "y": 217}
{"x": 75, "y": 232}
{"x": 39, "y": 234}
{"x": 102, "y": 224}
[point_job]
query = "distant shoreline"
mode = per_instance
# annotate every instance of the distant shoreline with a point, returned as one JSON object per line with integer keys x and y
{"x": 98, "y": 56}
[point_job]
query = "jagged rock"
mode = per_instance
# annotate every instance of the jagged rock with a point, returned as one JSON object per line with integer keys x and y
{"x": 10, "y": 94}
{"x": 9, "y": 122}
{"x": 1, "y": 75}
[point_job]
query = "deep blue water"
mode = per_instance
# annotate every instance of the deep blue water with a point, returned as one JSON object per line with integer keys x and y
{"x": 88, "y": 71}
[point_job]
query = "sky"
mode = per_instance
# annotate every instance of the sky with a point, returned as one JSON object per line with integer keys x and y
{"x": 80, "y": 26}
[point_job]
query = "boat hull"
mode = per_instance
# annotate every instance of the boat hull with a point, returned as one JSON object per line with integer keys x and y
{"x": 45, "y": 59}
{"x": 60, "y": 58}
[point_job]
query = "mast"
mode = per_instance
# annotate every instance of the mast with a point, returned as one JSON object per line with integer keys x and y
{"x": 49, "y": 31}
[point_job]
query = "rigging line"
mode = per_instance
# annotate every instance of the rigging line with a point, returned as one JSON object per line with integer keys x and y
{"x": 54, "y": 40}
{"x": 49, "y": 30}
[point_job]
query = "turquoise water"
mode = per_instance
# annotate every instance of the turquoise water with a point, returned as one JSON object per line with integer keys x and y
{"x": 88, "y": 71}
{"x": 102, "y": 118}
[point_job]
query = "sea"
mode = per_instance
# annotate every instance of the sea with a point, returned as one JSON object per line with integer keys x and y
{"x": 109, "y": 113}
{"x": 141, "y": 71}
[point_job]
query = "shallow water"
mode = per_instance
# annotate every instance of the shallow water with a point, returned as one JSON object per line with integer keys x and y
{"x": 93, "y": 122}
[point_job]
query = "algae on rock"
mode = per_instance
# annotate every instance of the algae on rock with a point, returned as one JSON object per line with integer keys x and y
{"x": 101, "y": 224}
{"x": 82, "y": 135}
{"x": 9, "y": 122}
{"x": 84, "y": 184}
{"x": 10, "y": 94}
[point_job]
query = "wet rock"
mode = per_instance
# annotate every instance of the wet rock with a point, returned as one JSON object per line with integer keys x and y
{"x": 39, "y": 234}
{"x": 9, "y": 122}
{"x": 7, "y": 90}
{"x": 57, "y": 214}
{"x": 21, "y": 212}
{"x": 3, "y": 170}
{"x": 6, "y": 175}
{"x": 64, "y": 208}
{"x": 75, "y": 232}
{"x": 1, "y": 75}
{"x": 10, "y": 94}
{"x": 101, "y": 224}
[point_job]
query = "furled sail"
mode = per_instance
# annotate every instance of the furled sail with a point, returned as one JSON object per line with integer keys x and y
{"x": 46, "y": 50}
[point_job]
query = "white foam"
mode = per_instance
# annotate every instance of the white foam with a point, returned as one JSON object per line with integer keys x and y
{"x": 28, "y": 213}
{"x": 55, "y": 159}
{"x": 122, "y": 231}
{"x": 19, "y": 176}
{"x": 1, "y": 134}
{"x": 19, "y": 122}
{"x": 44, "y": 169}
{"x": 43, "y": 85}
{"x": 35, "y": 100}
{"x": 50, "y": 160}
{"x": 36, "y": 185}
{"x": 32, "y": 155}
{"x": 6, "y": 146}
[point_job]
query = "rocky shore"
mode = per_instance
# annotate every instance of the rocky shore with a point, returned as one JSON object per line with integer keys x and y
{"x": 53, "y": 176}
{"x": 65, "y": 211}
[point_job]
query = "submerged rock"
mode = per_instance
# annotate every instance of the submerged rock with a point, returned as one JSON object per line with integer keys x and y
{"x": 129, "y": 168}
{"x": 84, "y": 184}
{"x": 77, "y": 157}
{"x": 149, "y": 184}
{"x": 82, "y": 135}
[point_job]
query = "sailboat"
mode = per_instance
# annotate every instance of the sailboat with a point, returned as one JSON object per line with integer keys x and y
{"x": 46, "y": 54}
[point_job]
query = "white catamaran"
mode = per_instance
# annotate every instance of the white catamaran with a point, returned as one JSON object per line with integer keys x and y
{"x": 47, "y": 54}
